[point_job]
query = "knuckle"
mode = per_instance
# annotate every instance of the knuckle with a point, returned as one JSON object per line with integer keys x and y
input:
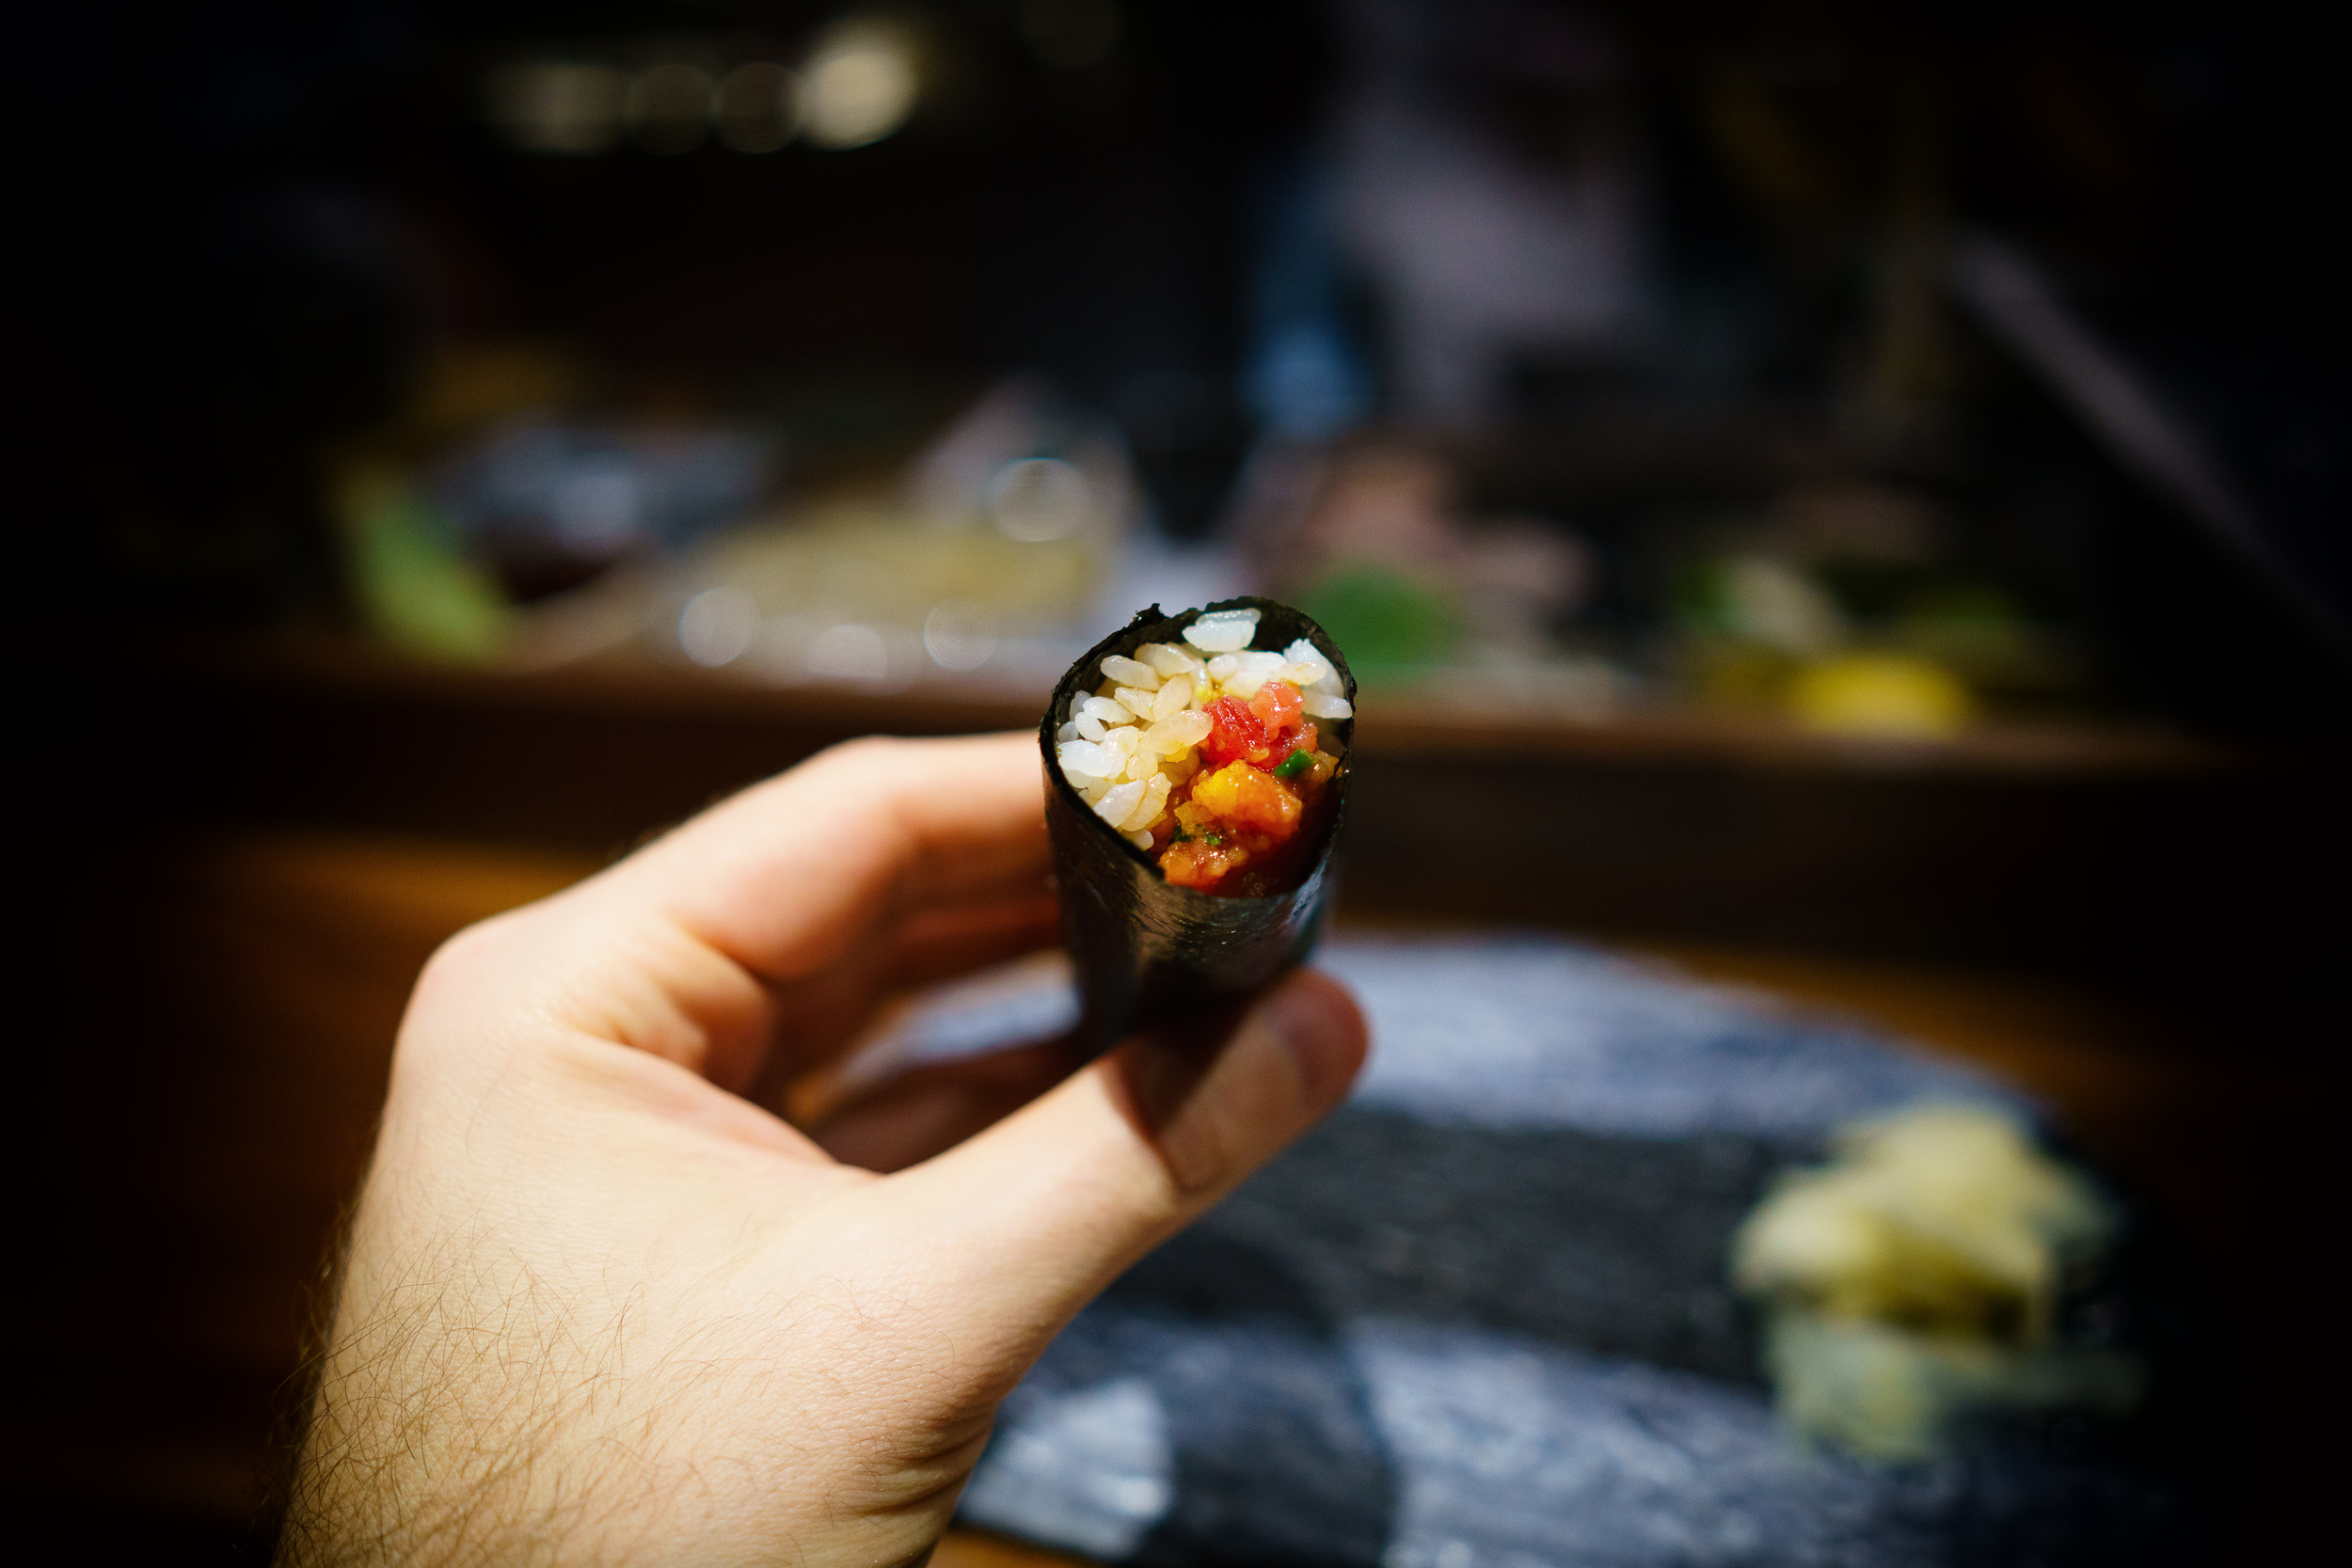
{"x": 865, "y": 752}
{"x": 834, "y": 764}
{"x": 471, "y": 957}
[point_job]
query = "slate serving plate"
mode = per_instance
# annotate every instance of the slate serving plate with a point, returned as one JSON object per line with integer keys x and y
{"x": 1480, "y": 1316}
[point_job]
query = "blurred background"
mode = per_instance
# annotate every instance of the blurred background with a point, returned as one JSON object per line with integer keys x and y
{"x": 1848, "y": 496}
{"x": 1884, "y": 372}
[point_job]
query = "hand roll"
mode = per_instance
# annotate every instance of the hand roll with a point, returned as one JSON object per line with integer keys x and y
{"x": 1197, "y": 769}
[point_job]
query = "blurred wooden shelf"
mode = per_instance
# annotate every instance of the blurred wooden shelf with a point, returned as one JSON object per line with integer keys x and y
{"x": 1399, "y": 723}
{"x": 2085, "y": 851}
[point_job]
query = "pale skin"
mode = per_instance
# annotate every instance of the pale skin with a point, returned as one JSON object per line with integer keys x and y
{"x": 604, "y": 1303}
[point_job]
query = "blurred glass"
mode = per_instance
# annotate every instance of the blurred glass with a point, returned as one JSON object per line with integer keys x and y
{"x": 552, "y": 503}
{"x": 1039, "y": 499}
{"x": 759, "y": 107}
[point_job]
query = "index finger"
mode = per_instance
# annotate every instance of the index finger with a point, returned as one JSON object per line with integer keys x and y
{"x": 791, "y": 875}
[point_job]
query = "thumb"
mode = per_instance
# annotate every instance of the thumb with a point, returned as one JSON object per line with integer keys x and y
{"x": 1041, "y": 1210}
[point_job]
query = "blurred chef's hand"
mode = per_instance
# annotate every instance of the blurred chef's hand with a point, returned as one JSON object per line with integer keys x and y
{"x": 603, "y": 1303}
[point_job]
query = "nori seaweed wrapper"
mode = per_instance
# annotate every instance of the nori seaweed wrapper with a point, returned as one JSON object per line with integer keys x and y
{"x": 1147, "y": 952}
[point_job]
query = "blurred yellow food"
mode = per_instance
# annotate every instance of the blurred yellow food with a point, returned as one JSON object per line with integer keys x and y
{"x": 1944, "y": 1220}
{"x": 1892, "y": 1396}
{"x": 892, "y": 563}
{"x": 1880, "y": 694}
{"x": 1918, "y": 1273}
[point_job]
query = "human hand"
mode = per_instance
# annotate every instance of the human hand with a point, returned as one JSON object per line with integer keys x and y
{"x": 603, "y": 1303}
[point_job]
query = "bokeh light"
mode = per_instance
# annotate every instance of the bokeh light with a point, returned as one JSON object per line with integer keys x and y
{"x": 759, "y": 107}
{"x": 718, "y": 625}
{"x": 862, "y": 84}
{"x": 960, "y": 635}
{"x": 851, "y": 652}
{"x": 556, "y": 106}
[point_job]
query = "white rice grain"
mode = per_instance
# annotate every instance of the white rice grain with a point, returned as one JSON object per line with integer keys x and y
{"x": 1141, "y": 841}
{"x": 1105, "y": 711}
{"x": 1120, "y": 804}
{"x": 1246, "y": 684}
{"x": 1087, "y": 726}
{"x": 1147, "y": 811}
{"x": 1304, "y": 652}
{"x": 1128, "y": 672}
{"x": 1221, "y": 668}
{"x": 1260, "y": 661}
{"x": 1174, "y": 697}
{"x": 1178, "y": 732}
{"x": 1084, "y": 759}
{"x": 1122, "y": 742}
{"x": 1168, "y": 660}
{"x": 1224, "y": 632}
{"x": 1138, "y": 700}
{"x": 1322, "y": 704}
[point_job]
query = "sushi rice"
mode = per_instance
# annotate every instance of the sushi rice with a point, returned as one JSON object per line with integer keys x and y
{"x": 1130, "y": 748}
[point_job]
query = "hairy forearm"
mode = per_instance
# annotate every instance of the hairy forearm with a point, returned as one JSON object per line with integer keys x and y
{"x": 472, "y": 1412}
{"x": 430, "y": 1431}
